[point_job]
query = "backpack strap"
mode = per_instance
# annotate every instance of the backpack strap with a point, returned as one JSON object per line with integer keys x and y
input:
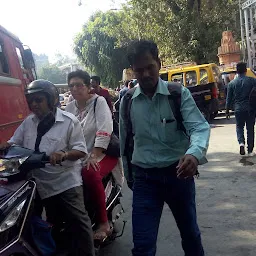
{"x": 127, "y": 103}
{"x": 175, "y": 103}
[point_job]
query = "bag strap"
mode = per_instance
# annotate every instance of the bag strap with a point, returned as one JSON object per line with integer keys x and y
{"x": 94, "y": 105}
{"x": 175, "y": 103}
{"x": 127, "y": 103}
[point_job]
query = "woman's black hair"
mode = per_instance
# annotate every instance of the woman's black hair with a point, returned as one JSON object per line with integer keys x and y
{"x": 80, "y": 74}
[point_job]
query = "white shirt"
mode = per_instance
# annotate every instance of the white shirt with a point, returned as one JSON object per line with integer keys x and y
{"x": 98, "y": 126}
{"x": 66, "y": 134}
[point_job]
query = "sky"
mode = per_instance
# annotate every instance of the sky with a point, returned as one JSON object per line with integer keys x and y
{"x": 49, "y": 26}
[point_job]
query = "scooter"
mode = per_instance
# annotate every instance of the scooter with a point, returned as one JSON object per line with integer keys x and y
{"x": 17, "y": 195}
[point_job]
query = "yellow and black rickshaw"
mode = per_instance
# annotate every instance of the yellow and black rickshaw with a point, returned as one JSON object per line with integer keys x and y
{"x": 204, "y": 82}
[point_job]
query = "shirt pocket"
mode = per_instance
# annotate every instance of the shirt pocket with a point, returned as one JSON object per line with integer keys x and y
{"x": 50, "y": 144}
{"x": 29, "y": 141}
{"x": 167, "y": 130}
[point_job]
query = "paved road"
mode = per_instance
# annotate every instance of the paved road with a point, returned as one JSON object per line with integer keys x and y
{"x": 226, "y": 203}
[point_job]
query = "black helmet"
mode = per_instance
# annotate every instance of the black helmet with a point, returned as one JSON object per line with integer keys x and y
{"x": 46, "y": 87}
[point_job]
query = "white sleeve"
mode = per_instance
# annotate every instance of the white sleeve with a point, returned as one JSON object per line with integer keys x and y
{"x": 70, "y": 108}
{"x": 104, "y": 124}
{"x": 76, "y": 137}
{"x": 18, "y": 136}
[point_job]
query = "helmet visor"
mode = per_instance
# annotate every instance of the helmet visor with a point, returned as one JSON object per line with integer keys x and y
{"x": 31, "y": 91}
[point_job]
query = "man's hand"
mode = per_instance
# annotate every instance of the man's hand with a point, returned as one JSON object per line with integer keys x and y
{"x": 187, "y": 167}
{"x": 227, "y": 114}
{"x": 57, "y": 157}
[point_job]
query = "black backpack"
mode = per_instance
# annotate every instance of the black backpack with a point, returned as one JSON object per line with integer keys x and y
{"x": 252, "y": 98}
{"x": 175, "y": 104}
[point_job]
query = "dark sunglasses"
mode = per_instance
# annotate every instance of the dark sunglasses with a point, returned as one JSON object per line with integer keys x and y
{"x": 37, "y": 100}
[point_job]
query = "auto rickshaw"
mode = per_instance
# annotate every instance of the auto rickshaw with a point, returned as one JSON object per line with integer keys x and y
{"x": 204, "y": 82}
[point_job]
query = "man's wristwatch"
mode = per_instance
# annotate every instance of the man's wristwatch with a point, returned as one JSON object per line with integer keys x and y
{"x": 65, "y": 155}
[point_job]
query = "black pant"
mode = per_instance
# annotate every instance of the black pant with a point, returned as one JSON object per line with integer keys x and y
{"x": 69, "y": 206}
{"x": 247, "y": 118}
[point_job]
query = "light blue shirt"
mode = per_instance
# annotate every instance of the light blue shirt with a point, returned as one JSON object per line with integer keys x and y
{"x": 239, "y": 92}
{"x": 158, "y": 144}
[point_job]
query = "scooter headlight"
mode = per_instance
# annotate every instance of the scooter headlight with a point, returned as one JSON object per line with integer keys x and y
{"x": 12, "y": 217}
{"x": 11, "y": 166}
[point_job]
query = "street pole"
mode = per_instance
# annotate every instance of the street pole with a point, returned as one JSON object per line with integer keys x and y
{"x": 248, "y": 43}
{"x": 252, "y": 37}
{"x": 242, "y": 30}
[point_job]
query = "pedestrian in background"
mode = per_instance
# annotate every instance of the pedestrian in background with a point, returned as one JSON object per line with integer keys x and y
{"x": 95, "y": 83}
{"x": 124, "y": 89}
{"x": 238, "y": 93}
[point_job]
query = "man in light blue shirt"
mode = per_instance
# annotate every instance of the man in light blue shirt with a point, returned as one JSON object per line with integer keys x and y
{"x": 164, "y": 158}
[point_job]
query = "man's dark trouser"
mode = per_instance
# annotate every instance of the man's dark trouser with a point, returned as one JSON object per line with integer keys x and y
{"x": 153, "y": 187}
{"x": 69, "y": 205}
{"x": 247, "y": 118}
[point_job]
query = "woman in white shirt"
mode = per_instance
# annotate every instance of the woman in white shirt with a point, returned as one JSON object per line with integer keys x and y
{"x": 97, "y": 127}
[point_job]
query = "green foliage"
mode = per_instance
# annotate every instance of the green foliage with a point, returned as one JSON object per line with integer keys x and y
{"x": 185, "y": 30}
{"x": 53, "y": 74}
{"x": 96, "y": 48}
{"x": 60, "y": 59}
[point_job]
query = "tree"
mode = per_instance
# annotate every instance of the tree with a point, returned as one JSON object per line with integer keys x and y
{"x": 96, "y": 48}
{"x": 53, "y": 74}
{"x": 60, "y": 59}
{"x": 184, "y": 30}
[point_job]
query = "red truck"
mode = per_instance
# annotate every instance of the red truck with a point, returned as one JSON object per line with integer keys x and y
{"x": 17, "y": 70}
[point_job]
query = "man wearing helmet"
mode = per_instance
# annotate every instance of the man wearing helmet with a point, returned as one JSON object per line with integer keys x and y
{"x": 59, "y": 184}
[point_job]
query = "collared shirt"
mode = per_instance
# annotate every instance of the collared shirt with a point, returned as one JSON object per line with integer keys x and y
{"x": 98, "y": 126}
{"x": 238, "y": 93}
{"x": 160, "y": 144}
{"x": 66, "y": 134}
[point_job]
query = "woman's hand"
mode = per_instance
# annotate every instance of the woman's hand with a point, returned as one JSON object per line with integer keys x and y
{"x": 92, "y": 161}
{"x": 97, "y": 153}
